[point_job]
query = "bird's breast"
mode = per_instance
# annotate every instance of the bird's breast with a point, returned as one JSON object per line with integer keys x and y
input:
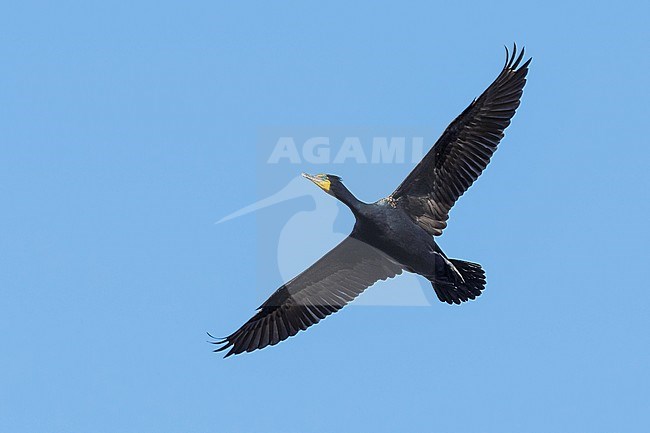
{"x": 394, "y": 233}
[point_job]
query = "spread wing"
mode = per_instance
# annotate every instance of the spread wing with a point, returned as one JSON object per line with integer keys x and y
{"x": 463, "y": 151}
{"x": 324, "y": 288}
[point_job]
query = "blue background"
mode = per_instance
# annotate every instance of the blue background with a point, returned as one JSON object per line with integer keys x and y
{"x": 128, "y": 129}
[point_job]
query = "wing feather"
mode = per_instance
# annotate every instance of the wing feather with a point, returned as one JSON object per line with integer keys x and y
{"x": 324, "y": 288}
{"x": 463, "y": 151}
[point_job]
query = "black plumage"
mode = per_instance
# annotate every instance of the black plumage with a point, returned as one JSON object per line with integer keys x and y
{"x": 395, "y": 234}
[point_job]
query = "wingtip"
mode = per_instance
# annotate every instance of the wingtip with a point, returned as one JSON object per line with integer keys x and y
{"x": 511, "y": 62}
{"x": 514, "y": 59}
{"x": 224, "y": 342}
{"x": 230, "y": 352}
{"x": 518, "y": 61}
{"x": 217, "y": 340}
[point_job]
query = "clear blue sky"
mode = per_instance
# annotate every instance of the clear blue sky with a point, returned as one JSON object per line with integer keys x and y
{"x": 127, "y": 130}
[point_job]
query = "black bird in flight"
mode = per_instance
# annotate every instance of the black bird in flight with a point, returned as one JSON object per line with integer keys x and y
{"x": 395, "y": 234}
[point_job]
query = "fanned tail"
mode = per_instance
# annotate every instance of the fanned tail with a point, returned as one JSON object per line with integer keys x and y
{"x": 469, "y": 284}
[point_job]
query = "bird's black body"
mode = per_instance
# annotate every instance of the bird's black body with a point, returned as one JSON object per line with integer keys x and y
{"x": 391, "y": 230}
{"x": 396, "y": 234}
{"x": 386, "y": 226}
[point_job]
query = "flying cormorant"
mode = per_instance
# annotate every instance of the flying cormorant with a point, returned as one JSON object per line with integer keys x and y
{"x": 395, "y": 234}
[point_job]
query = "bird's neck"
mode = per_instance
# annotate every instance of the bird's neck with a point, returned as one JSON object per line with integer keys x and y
{"x": 347, "y": 198}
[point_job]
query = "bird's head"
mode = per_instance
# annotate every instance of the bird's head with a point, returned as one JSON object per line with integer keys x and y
{"x": 329, "y": 183}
